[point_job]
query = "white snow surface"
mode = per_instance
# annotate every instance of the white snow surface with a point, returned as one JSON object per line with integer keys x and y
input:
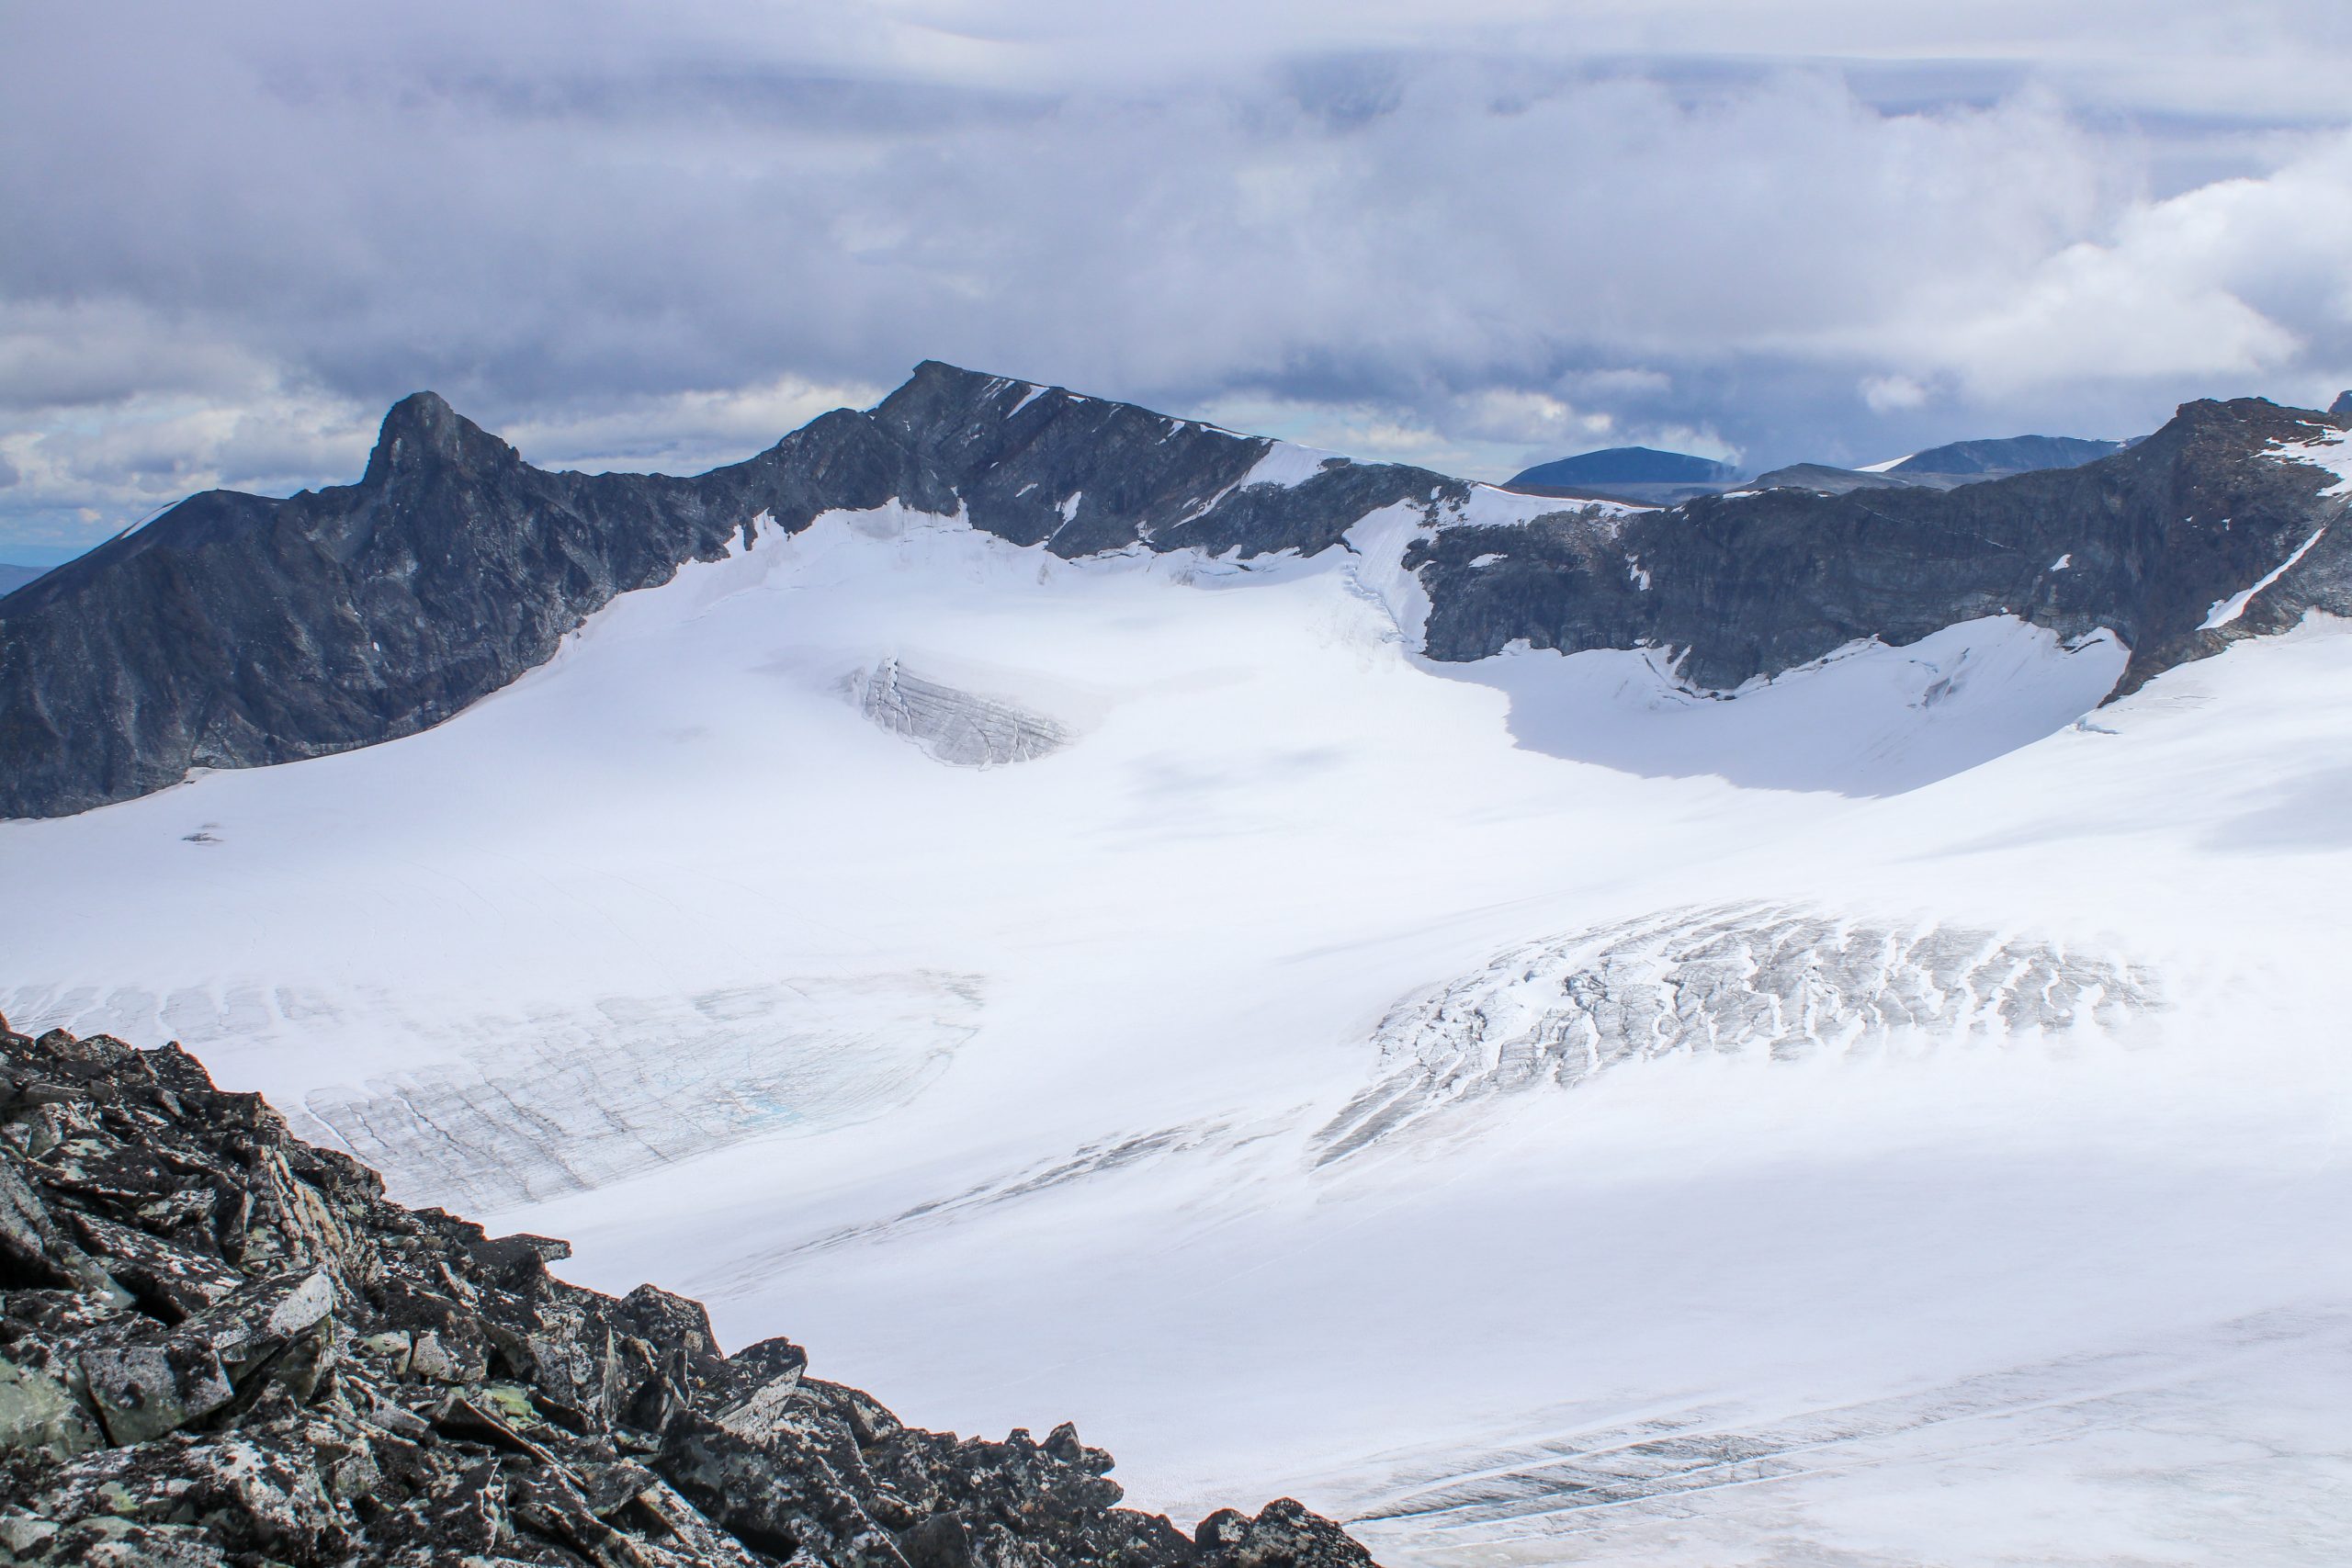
{"x": 1287, "y": 463}
{"x": 1954, "y": 1175}
{"x": 1867, "y": 718}
{"x": 2329, "y": 448}
{"x": 1492, "y": 506}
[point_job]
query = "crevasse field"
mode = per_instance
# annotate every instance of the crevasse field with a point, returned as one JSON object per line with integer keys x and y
{"x": 1529, "y": 1110}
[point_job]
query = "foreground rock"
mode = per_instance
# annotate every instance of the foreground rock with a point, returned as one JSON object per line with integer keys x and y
{"x": 220, "y": 1345}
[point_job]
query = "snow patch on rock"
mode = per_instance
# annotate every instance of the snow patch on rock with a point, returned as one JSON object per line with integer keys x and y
{"x": 2329, "y": 448}
{"x": 1289, "y": 465}
{"x": 2223, "y": 611}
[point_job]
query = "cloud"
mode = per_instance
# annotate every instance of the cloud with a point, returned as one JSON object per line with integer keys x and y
{"x": 2237, "y": 277}
{"x": 1887, "y": 393}
{"x": 681, "y": 432}
{"x": 1472, "y": 238}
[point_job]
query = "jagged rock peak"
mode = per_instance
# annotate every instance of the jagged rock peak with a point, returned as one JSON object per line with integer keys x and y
{"x": 220, "y": 1345}
{"x": 422, "y": 432}
{"x": 939, "y": 401}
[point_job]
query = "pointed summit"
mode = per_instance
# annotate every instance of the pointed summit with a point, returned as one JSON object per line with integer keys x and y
{"x": 422, "y": 433}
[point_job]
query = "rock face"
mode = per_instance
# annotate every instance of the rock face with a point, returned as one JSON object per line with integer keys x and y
{"x": 219, "y": 1345}
{"x": 235, "y": 631}
{"x": 2148, "y": 543}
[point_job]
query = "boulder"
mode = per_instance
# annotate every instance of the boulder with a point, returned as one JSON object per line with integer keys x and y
{"x": 40, "y": 1417}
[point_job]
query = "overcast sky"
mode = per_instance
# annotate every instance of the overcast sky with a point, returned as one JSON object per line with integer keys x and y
{"x": 1473, "y": 235}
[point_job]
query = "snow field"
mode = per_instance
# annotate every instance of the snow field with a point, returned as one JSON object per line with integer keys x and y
{"x": 999, "y": 1086}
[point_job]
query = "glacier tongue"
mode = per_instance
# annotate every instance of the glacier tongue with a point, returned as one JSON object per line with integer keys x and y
{"x": 1779, "y": 982}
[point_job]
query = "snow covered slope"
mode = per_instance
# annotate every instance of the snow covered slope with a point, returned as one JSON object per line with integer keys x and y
{"x": 1949, "y": 1176}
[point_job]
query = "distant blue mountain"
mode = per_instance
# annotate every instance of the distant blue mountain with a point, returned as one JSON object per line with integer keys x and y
{"x": 1824, "y": 481}
{"x": 15, "y": 577}
{"x": 1625, "y": 466}
{"x": 2343, "y": 403}
{"x": 2012, "y": 454}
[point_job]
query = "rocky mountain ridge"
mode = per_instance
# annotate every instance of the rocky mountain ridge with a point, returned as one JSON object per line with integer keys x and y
{"x": 238, "y": 631}
{"x": 222, "y": 1345}
{"x": 2150, "y": 544}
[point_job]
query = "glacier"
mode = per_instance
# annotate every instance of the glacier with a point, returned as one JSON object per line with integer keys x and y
{"x": 1997, "y": 1219}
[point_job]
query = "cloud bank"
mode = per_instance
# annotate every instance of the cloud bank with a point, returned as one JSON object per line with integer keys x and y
{"x": 1474, "y": 236}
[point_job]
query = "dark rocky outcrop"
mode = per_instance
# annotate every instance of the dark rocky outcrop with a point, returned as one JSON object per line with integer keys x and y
{"x": 2144, "y": 542}
{"x": 235, "y": 631}
{"x": 220, "y": 1345}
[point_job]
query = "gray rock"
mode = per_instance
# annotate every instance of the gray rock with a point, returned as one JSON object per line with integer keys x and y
{"x": 40, "y": 1417}
{"x": 147, "y": 1388}
{"x": 1284, "y": 1535}
{"x": 108, "y": 1542}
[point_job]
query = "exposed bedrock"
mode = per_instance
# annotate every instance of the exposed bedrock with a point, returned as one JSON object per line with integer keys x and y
{"x": 220, "y": 1345}
{"x": 2144, "y": 542}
